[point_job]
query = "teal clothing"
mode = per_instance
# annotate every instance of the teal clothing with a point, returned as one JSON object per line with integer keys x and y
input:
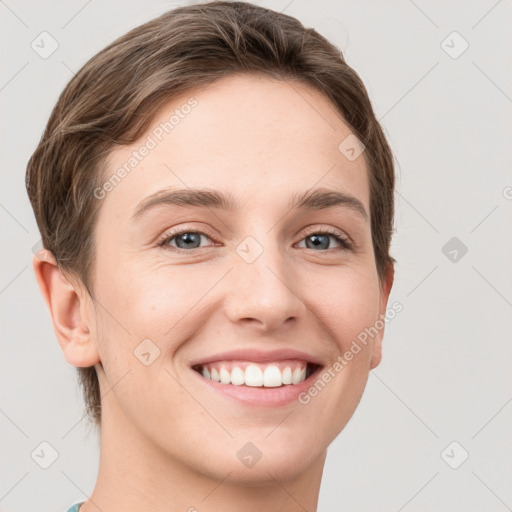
{"x": 74, "y": 508}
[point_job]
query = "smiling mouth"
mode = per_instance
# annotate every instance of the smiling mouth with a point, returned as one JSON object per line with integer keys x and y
{"x": 258, "y": 375}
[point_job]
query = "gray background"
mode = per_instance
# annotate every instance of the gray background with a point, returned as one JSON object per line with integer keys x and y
{"x": 445, "y": 374}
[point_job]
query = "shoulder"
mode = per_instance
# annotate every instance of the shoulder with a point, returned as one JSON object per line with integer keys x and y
{"x": 74, "y": 507}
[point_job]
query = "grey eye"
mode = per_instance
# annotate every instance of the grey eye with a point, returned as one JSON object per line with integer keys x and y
{"x": 185, "y": 240}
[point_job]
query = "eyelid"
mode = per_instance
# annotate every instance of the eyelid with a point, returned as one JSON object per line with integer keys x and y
{"x": 328, "y": 230}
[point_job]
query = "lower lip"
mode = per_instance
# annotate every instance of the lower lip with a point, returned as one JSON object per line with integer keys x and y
{"x": 260, "y": 396}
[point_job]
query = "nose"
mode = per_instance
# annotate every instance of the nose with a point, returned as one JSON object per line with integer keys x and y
{"x": 261, "y": 293}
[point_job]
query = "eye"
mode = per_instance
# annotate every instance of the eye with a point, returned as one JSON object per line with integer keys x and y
{"x": 189, "y": 240}
{"x": 185, "y": 239}
{"x": 321, "y": 240}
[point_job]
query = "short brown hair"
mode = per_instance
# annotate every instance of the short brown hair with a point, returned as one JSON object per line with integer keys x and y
{"x": 113, "y": 98}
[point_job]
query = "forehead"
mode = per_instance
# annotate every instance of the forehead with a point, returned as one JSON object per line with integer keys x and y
{"x": 258, "y": 137}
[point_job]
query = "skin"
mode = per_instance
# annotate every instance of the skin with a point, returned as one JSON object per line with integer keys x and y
{"x": 262, "y": 140}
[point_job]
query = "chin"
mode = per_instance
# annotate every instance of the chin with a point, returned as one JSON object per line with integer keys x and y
{"x": 273, "y": 461}
{"x": 265, "y": 473}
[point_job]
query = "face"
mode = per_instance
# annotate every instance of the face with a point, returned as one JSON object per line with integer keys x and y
{"x": 264, "y": 290}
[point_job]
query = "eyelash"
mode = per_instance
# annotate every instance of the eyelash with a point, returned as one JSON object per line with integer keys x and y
{"x": 344, "y": 241}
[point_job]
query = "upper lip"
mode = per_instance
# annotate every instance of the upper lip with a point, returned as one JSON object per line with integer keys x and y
{"x": 258, "y": 356}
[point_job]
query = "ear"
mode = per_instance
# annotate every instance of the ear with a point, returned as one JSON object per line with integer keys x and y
{"x": 70, "y": 311}
{"x": 386, "y": 286}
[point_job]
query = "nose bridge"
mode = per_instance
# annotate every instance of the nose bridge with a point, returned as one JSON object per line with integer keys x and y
{"x": 262, "y": 288}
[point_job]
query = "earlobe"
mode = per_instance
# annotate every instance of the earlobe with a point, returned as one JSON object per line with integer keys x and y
{"x": 387, "y": 284}
{"x": 68, "y": 311}
{"x": 376, "y": 351}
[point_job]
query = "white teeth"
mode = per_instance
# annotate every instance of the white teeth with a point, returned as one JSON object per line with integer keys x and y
{"x": 237, "y": 376}
{"x": 225, "y": 377}
{"x": 287, "y": 375}
{"x": 272, "y": 377}
{"x": 253, "y": 376}
{"x": 298, "y": 376}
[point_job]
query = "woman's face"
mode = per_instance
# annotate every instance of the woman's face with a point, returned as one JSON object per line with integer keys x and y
{"x": 257, "y": 282}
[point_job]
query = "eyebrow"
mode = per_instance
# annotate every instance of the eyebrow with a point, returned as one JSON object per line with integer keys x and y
{"x": 317, "y": 199}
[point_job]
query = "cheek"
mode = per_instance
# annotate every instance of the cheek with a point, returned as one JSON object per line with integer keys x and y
{"x": 155, "y": 311}
{"x": 347, "y": 305}
{"x": 150, "y": 301}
